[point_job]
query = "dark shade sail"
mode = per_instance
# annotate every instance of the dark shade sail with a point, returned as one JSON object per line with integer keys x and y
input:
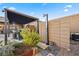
{"x": 15, "y": 17}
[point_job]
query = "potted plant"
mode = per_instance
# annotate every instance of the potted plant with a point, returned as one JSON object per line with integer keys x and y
{"x": 30, "y": 38}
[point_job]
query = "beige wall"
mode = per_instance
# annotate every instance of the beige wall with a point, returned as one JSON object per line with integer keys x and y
{"x": 54, "y": 31}
{"x": 74, "y": 23}
{"x": 59, "y": 33}
{"x": 65, "y": 33}
{"x": 60, "y": 29}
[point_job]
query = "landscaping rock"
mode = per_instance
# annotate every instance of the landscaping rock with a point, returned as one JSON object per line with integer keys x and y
{"x": 52, "y": 49}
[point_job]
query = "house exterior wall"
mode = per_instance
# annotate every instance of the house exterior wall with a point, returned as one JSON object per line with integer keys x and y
{"x": 1, "y": 26}
{"x": 19, "y": 26}
{"x": 61, "y": 28}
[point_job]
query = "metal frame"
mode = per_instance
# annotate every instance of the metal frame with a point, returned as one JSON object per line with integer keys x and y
{"x": 6, "y": 27}
{"x": 38, "y": 25}
{"x": 47, "y": 30}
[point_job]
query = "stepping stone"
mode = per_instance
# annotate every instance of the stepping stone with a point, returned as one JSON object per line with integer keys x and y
{"x": 50, "y": 54}
{"x": 42, "y": 45}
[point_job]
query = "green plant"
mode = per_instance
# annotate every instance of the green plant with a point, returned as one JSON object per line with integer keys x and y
{"x": 1, "y": 42}
{"x": 30, "y": 38}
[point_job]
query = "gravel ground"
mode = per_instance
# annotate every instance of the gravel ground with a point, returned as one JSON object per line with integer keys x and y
{"x": 52, "y": 50}
{"x": 57, "y": 51}
{"x": 74, "y": 50}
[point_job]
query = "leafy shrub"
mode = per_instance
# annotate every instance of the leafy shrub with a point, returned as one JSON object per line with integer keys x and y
{"x": 30, "y": 38}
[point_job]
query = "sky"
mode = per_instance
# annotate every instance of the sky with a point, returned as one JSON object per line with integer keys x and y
{"x": 54, "y": 10}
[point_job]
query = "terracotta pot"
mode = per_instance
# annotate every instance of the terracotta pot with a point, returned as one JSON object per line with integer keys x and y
{"x": 31, "y": 52}
{"x": 34, "y": 50}
{"x": 27, "y": 53}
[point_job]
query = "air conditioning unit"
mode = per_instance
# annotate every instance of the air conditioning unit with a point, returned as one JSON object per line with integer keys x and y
{"x": 75, "y": 36}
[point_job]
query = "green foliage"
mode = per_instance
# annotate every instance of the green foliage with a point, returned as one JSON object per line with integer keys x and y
{"x": 30, "y": 38}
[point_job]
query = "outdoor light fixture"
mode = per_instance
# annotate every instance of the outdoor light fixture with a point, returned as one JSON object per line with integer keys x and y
{"x": 47, "y": 36}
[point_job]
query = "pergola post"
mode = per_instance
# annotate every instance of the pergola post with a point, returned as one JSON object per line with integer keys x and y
{"x": 38, "y": 25}
{"x": 5, "y": 26}
{"x": 47, "y": 29}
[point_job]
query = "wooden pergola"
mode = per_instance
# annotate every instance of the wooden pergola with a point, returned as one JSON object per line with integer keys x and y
{"x": 18, "y": 18}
